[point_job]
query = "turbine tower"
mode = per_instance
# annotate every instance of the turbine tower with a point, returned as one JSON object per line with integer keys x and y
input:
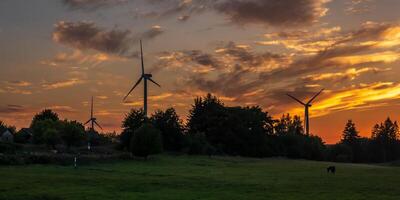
{"x": 145, "y": 77}
{"x": 306, "y": 107}
{"x": 93, "y": 122}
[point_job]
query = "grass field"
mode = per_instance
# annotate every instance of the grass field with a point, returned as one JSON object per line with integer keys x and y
{"x": 185, "y": 177}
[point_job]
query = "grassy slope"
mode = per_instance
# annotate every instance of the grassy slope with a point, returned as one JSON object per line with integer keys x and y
{"x": 169, "y": 177}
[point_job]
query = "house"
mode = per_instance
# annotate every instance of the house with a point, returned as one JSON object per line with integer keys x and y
{"x": 7, "y": 136}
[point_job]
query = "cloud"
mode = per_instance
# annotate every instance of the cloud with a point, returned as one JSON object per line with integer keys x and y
{"x": 88, "y": 36}
{"x": 225, "y": 57}
{"x": 12, "y": 109}
{"x": 77, "y": 57}
{"x": 16, "y": 87}
{"x": 359, "y": 6}
{"x": 349, "y": 74}
{"x": 152, "y": 33}
{"x": 264, "y": 12}
{"x": 91, "y": 4}
{"x": 367, "y": 45}
{"x": 359, "y": 97}
{"x": 327, "y": 57}
{"x": 273, "y": 12}
{"x": 19, "y": 83}
{"x": 62, "y": 109}
{"x": 62, "y": 84}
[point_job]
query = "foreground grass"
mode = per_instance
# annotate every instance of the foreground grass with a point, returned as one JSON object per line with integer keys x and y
{"x": 185, "y": 177}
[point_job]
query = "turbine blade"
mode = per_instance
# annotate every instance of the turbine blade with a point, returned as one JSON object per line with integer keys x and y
{"x": 137, "y": 83}
{"x": 141, "y": 56}
{"x": 87, "y": 122}
{"x": 296, "y": 99}
{"x": 154, "y": 82}
{"x": 98, "y": 125}
{"x": 91, "y": 110}
{"x": 315, "y": 96}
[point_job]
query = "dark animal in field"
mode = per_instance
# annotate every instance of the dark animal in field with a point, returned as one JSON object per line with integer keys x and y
{"x": 331, "y": 169}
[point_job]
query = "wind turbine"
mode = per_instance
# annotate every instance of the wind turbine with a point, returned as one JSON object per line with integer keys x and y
{"x": 306, "y": 106}
{"x": 93, "y": 121}
{"x": 145, "y": 77}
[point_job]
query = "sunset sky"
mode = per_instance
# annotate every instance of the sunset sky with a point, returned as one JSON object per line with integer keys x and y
{"x": 58, "y": 53}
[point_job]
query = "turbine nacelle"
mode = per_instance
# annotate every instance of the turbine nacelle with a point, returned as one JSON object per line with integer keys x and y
{"x": 147, "y": 76}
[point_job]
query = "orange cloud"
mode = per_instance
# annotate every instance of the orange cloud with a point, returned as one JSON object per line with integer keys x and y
{"x": 364, "y": 96}
{"x": 62, "y": 84}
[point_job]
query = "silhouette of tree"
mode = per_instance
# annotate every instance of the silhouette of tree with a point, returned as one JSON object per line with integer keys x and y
{"x": 146, "y": 141}
{"x": 351, "y": 138}
{"x": 289, "y": 125}
{"x": 350, "y": 134}
{"x": 133, "y": 120}
{"x": 171, "y": 127}
{"x": 72, "y": 133}
{"x": 46, "y": 114}
{"x": 385, "y": 140}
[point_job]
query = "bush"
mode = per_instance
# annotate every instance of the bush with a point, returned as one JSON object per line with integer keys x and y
{"x": 340, "y": 153}
{"x": 197, "y": 144}
{"x": 8, "y": 148}
{"x": 72, "y": 133}
{"x": 146, "y": 141}
{"x": 171, "y": 128}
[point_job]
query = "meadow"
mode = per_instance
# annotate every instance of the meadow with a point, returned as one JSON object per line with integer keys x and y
{"x": 200, "y": 177}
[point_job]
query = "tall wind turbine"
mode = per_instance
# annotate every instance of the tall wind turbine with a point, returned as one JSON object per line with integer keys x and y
{"x": 93, "y": 121}
{"x": 306, "y": 107}
{"x": 145, "y": 77}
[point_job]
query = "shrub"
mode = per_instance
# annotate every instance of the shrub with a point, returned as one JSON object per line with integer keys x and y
{"x": 8, "y": 148}
{"x": 146, "y": 141}
{"x": 197, "y": 144}
{"x": 171, "y": 128}
{"x": 72, "y": 133}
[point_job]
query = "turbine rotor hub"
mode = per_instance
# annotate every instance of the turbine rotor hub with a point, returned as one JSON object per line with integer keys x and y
{"x": 147, "y": 75}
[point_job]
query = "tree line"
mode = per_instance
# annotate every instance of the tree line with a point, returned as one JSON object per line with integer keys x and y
{"x": 215, "y": 129}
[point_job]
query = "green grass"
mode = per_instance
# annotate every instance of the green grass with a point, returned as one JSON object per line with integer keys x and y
{"x": 185, "y": 177}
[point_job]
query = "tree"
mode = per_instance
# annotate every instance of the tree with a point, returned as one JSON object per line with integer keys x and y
{"x": 208, "y": 116}
{"x": 41, "y": 122}
{"x": 350, "y": 134}
{"x": 247, "y": 132}
{"x": 133, "y": 120}
{"x": 385, "y": 140}
{"x": 4, "y": 127}
{"x": 289, "y": 125}
{"x": 72, "y": 133}
{"x": 46, "y": 114}
{"x": 351, "y": 138}
{"x": 51, "y": 137}
{"x": 171, "y": 127}
{"x": 40, "y": 130}
{"x": 146, "y": 141}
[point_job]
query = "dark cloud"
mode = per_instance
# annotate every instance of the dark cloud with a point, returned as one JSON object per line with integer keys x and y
{"x": 273, "y": 12}
{"x": 184, "y": 18}
{"x": 88, "y": 36}
{"x": 91, "y": 4}
{"x": 10, "y": 109}
{"x": 244, "y": 55}
{"x": 152, "y": 33}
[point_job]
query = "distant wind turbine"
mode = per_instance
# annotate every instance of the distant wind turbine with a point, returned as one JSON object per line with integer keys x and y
{"x": 93, "y": 121}
{"x": 145, "y": 77}
{"x": 306, "y": 106}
